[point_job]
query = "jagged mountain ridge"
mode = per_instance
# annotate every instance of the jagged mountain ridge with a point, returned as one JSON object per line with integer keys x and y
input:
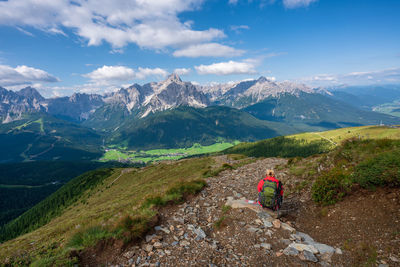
{"x": 145, "y": 99}
{"x": 249, "y": 92}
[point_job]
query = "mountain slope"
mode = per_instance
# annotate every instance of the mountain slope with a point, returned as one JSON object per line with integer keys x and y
{"x": 367, "y": 97}
{"x": 103, "y": 197}
{"x": 311, "y": 111}
{"x": 98, "y": 226}
{"x": 38, "y": 136}
{"x": 184, "y": 126}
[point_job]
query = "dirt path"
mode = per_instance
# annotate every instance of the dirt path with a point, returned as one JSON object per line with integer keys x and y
{"x": 124, "y": 171}
{"x": 204, "y": 232}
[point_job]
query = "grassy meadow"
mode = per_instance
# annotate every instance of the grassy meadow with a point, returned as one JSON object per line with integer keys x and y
{"x": 118, "y": 153}
{"x": 337, "y": 136}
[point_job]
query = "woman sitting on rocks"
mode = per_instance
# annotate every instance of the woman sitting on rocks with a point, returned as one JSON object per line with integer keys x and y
{"x": 270, "y": 192}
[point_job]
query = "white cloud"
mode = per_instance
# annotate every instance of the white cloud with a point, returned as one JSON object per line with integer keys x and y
{"x": 391, "y": 75}
{"x": 150, "y": 24}
{"x": 182, "y": 71}
{"x": 24, "y": 75}
{"x": 233, "y": 2}
{"x": 297, "y": 3}
{"x": 208, "y": 50}
{"x": 111, "y": 74}
{"x": 25, "y": 32}
{"x": 143, "y": 73}
{"x": 239, "y": 28}
{"x": 227, "y": 68}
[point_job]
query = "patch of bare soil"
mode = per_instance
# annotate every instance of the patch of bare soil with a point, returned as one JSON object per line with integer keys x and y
{"x": 366, "y": 225}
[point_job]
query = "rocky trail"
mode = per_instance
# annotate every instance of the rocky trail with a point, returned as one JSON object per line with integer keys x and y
{"x": 204, "y": 231}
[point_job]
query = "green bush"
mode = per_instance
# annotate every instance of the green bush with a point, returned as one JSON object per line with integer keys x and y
{"x": 331, "y": 186}
{"x": 381, "y": 170}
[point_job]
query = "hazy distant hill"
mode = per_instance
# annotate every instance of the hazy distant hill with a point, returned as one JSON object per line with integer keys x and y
{"x": 316, "y": 110}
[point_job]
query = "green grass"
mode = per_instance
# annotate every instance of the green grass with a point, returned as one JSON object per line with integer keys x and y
{"x": 339, "y": 135}
{"x": 39, "y": 121}
{"x": 123, "y": 208}
{"x": 118, "y": 153}
{"x": 280, "y": 147}
{"x": 368, "y": 163}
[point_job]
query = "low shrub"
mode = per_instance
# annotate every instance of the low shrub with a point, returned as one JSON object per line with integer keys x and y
{"x": 331, "y": 186}
{"x": 381, "y": 170}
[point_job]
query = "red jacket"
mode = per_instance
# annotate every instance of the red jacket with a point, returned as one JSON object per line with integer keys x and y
{"x": 273, "y": 179}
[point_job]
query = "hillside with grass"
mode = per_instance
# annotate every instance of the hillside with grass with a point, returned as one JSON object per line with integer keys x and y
{"x": 311, "y": 143}
{"x": 118, "y": 203}
{"x": 173, "y": 213}
{"x": 39, "y": 136}
{"x": 24, "y": 184}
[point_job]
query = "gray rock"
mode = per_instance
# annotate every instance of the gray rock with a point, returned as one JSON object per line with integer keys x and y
{"x": 267, "y": 223}
{"x": 266, "y": 246}
{"x": 383, "y": 265}
{"x": 184, "y": 243}
{"x": 309, "y": 256}
{"x": 322, "y": 248}
{"x": 130, "y": 261}
{"x": 149, "y": 238}
{"x": 174, "y": 243}
{"x": 252, "y": 229}
{"x": 129, "y": 254}
{"x": 138, "y": 260}
{"x": 200, "y": 234}
{"x": 158, "y": 245}
{"x": 290, "y": 251}
{"x": 264, "y": 215}
{"x": 302, "y": 247}
{"x": 287, "y": 227}
{"x": 305, "y": 237}
{"x": 338, "y": 251}
{"x": 295, "y": 237}
{"x": 148, "y": 248}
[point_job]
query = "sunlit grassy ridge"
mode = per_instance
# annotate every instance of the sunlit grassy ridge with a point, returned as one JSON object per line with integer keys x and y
{"x": 164, "y": 154}
{"x": 119, "y": 196}
{"x": 363, "y": 132}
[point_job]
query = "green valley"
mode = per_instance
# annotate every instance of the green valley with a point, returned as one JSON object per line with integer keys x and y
{"x": 121, "y": 154}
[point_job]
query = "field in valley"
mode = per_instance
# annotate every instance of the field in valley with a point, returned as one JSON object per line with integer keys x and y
{"x": 120, "y": 154}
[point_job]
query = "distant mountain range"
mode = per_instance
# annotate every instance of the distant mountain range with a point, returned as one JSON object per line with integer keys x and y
{"x": 175, "y": 113}
{"x": 143, "y": 100}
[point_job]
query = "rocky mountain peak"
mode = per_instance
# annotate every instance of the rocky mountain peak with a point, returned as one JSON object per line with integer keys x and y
{"x": 30, "y": 93}
{"x": 173, "y": 77}
{"x": 262, "y": 79}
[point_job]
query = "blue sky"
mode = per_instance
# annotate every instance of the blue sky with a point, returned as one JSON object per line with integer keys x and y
{"x": 61, "y": 47}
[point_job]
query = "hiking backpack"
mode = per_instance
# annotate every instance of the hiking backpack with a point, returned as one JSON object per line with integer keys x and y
{"x": 269, "y": 196}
